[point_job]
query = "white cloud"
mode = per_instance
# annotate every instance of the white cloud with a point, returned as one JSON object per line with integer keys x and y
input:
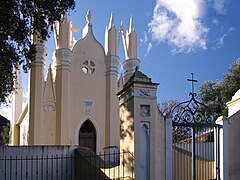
{"x": 220, "y": 42}
{"x": 219, "y": 6}
{"x": 149, "y": 47}
{"x": 146, "y": 42}
{"x": 178, "y": 22}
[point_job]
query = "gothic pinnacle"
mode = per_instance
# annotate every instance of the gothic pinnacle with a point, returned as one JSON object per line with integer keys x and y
{"x": 111, "y": 21}
{"x": 131, "y": 27}
{"x": 89, "y": 17}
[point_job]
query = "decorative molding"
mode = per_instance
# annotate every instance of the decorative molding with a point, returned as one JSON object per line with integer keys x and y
{"x": 145, "y": 110}
{"x": 63, "y": 57}
{"x": 41, "y": 51}
{"x": 112, "y": 61}
{"x": 48, "y": 108}
{"x": 145, "y": 92}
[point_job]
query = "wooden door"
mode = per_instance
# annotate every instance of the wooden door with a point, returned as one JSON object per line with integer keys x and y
{"x": 87, "y": 136}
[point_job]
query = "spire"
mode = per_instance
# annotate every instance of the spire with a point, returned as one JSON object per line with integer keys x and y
{"x": 88, "y": 27}
{"x": 132, "y": 41}
{"x": 130, "y": 49}
{"x": 49, "y": 93}
{"x": 111, "y": 22}
{"x": 131, "y": 27}
{"x": 17, "y": 95}
{"x": 129, "y": 41}
{"x": 111, "y": 38}
{"x": 62, "y": 33}
{"x": 89, "y": 17}
{"x": 124, "y": 40}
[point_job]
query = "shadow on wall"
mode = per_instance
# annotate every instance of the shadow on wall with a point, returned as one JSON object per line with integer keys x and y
{"x": 127, "y": 138}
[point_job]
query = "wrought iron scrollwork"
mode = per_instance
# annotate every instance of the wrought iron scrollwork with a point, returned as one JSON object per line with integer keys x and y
{"x": 192, "y": 111}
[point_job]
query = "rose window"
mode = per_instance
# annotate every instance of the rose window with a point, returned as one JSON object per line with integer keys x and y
{"x": 88, "y": 67}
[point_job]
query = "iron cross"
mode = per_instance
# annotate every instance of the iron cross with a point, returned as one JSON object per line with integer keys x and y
{"x": 193, "y": 81}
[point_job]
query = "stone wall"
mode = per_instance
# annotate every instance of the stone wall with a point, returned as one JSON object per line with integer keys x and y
{"x": 37, "y": 162}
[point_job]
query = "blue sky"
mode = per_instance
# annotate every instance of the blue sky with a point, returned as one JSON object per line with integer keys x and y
{"x": 176, "y": 38}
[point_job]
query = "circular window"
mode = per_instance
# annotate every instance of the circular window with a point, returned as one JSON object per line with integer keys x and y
{"x": 88, "y": 67}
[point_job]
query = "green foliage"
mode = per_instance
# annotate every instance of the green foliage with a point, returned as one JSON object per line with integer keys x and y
{"x": 216, "y": 94}
{"x": 19, "y": 19}
{"x": 210, "y": 94}
{"x": 231, "y": 82}
{"x": 4, "y": 136}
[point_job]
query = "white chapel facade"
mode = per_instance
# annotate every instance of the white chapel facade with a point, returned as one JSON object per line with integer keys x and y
{"x": 80, "y": 87}
{"x": 83, "y": 101}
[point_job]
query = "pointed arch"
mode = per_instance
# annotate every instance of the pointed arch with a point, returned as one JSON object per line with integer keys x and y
{"x": 87, "y": 136}
{"x": 97, "y": 128}
{"x": 144, "y": 151}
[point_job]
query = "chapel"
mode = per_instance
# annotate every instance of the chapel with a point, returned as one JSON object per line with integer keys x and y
{"x": 83, "y": 101}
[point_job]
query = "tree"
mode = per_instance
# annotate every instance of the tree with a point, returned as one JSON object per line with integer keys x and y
{"x": 4, "y": 136}
{"x": 210, "y": 95}
{"x": 231, "y": 82}
{"x": 167, "y": 106}
{"x": 19, "y": 19}
{"x": 216, "y": 94}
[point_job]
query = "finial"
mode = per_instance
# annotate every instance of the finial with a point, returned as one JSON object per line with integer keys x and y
{"x": 131, "y": 24}
{"x": 121, "y": 27}
{"x": 111, "y": 22}
{"x": 193, "y": 81}
{"x": 89, "y": 17}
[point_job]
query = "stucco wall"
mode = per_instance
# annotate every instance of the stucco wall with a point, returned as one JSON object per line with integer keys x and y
{"x": 24, "y": 130}
{"x": 88, "y": 91}
{"x": 234, "y": 146}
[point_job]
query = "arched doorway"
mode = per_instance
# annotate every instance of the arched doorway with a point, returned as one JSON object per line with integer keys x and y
{"x": 87, "y": 136}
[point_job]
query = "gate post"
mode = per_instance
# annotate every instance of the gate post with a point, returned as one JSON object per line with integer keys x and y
{"x": 168, "y": 122}
{"x": 223, "y": 135}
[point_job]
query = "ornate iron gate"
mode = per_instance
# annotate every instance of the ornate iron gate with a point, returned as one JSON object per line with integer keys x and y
{"x": 195, "y": 141}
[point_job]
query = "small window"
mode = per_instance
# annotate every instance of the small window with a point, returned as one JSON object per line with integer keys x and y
{"x": 88, "y": 67}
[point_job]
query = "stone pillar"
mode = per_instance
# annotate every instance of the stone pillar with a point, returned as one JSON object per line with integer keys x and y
{"x": 112, "y": 138}
{"x": 223, "y": 147}
{"x": 16, "y": 108}
{"x": 112, "y": 102}
{"x": 142, "y": 127}
{"x": 36, "y": 95}
{"x": 63, "y": 57}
